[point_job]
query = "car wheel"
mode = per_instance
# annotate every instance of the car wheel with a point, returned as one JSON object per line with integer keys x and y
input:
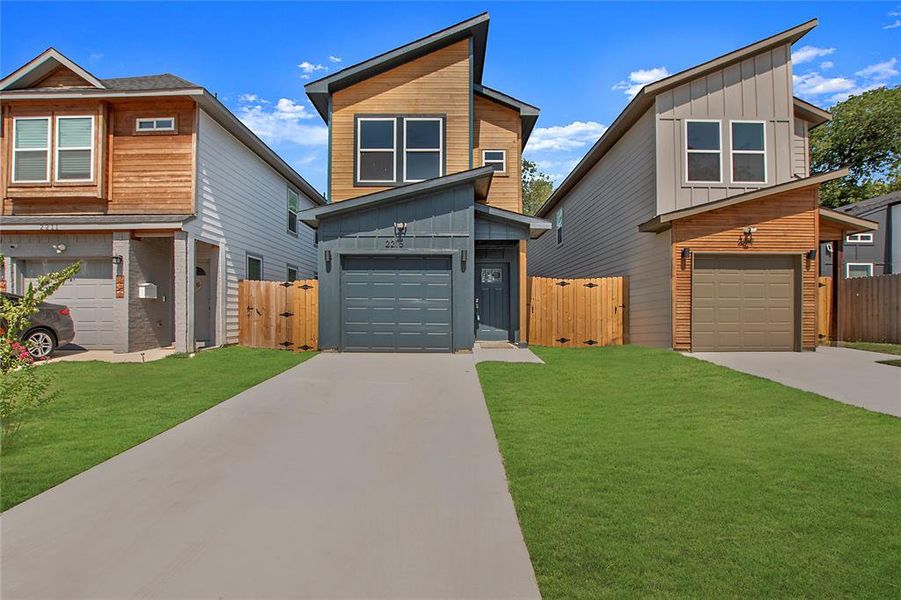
{"x": 40, "y": 343}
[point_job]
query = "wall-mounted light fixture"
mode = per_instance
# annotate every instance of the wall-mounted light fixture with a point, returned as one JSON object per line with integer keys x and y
{"x": 748, "y": 235}
{"x": 686, "y": 253}
{"x": 464, "y": 255}
{"x": 811, "y": 254}
{"x": 328, "y": 256}
{"x": 400, "y": 228}
{"x": 59, "y": 248}
{"x": 117, "y": 260}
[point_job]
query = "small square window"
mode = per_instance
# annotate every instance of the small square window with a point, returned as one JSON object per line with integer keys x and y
{"x": 859, "y": 238}
{"x": 376, "y": 150}
{"x": 155, "y": 124}
{"x": 496, "y": 159}
{"x": 291, "y": 273}
{"x": 422, "y": 148}
{"x": 858, "y": 270}
{"x": 254, "y": 268}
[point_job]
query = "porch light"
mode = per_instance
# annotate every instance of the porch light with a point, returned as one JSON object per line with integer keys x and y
{"x": 117, "y": 260}
{"x": 686, "y": 253}
{"x": 328, "y": 256}
{"x": 400, "y": 228}
{"x": 464, "y": 254}
{"x": 811, "y": 254}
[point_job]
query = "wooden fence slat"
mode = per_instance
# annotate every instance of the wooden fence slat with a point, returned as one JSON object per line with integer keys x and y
{"x": 584, "y": 312}
{"x": 869, "y": 309}
{"x": 273, "y": 315}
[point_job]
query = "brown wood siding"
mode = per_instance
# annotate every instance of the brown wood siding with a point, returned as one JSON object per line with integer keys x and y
{"x": 134, "y": 173}
{"x": 497, "y": 127}
{"x": 786, "y": 223}
{"x": 62, "y": 77}
{"x": 436, "y": 84}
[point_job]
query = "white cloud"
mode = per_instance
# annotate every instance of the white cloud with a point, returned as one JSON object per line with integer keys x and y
{"x": 826, "y": 65}
{"x": 640, "y": 78}
{"x": 335, "y": 59}
{"x": 281, "y": 123}
{"x": 897, "y": 23}
{"x": 808, "y": 53}
{"x": 880, "y": 71}
{"x": 250, "y": 98}
{"x": 814, "y": 84}
{"x": 577, "y": 134}
{"x": 309, "y": 68}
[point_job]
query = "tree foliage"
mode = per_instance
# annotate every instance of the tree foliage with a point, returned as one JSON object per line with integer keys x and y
{"x": 864, "y": 135}
{"x": 536, "y": 187}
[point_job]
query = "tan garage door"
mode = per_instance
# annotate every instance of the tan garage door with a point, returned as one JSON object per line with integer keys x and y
{"x": 743, "y": 303}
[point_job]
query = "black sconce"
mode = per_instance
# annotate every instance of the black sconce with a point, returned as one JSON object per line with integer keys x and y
{"x": 400, "y": 229}
{"x": 464, "y": 254}
{"x": 686, "y": 253}
{"x": 117, "y": 260}
{"x": 328, "y": 256}
{"x": 811, "y": 254}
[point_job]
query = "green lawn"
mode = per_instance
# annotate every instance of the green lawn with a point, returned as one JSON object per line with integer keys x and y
{"x": 874, "y": 347}
{"x": 104, "y": 409}
{"x": 639, "y": 472}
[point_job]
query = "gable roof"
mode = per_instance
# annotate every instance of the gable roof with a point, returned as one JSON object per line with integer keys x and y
{"x": 528, "y": 114}
{"x": 871, "y": 204}
{"x": 476, "y": 28}
{"x": 644, "y": 100}
{"x": 42, "y": 65}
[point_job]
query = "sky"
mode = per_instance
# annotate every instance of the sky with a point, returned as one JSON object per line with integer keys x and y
{"x": 579, "y": 62}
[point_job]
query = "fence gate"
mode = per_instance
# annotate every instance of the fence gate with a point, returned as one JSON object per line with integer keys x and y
{"x": 282, "y": 315}
{"x": 576, "y": 312}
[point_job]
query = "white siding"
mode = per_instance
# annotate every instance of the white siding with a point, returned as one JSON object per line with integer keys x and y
{"x": 242, "y": 206}
{"x": 601, "y": 215}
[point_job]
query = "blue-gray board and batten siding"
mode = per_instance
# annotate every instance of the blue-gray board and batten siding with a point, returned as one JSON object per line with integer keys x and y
{"x": 413, "y": 291}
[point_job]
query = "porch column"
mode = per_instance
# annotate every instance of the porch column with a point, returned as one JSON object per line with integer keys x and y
{"x": 183, "y": 284}
{"x": 122, "y": 248}
{"x": 838, "y": 277}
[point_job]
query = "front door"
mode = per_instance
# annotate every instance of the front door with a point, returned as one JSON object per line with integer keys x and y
{"x": 493, "y": 302}
{"x": 202, "y": 304}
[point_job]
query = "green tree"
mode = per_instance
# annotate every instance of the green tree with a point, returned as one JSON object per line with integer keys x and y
{"x": 536, "y": 187}
{"x": 864, "y": 135}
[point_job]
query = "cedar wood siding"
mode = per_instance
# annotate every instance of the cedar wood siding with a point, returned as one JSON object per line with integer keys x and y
{"x": 786, "y": 223}
{"x": 601, "y": 238}
{"x": 436, "y": 84}
{"x": 497, "y": 127}
{"x": 242, "y": 203}
{"x": 759, "y": 89}
{"x": 134, "y": 173}
{"x": 62, "y": 77}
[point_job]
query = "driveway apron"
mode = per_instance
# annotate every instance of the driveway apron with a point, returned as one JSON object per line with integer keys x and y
{"x": 349, "y": 476}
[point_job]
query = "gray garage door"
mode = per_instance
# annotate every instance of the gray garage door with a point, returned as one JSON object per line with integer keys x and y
{"x": 743, "y": 303}
{"x": 89, "y": 296}
{"x": 396, "y": 304}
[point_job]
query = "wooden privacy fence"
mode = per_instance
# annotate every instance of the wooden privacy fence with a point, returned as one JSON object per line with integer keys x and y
{"x": 576, "y": 312}
{"x": 281, "y": 315}
{"x": 869, "y": 309}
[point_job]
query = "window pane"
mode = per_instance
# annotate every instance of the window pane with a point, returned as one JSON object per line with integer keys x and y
{"x": 292, "y": 200}
{"x": 376, "y": 166}
{"x": 74, "y": 164}
{"x": 423, "y": 165}
{"x": 292, "y": 274}
{"x": 75, "y": 133}
{"x": 145, "y": 125}
{"x": 31, "y": 133}
{"x": 254, "y": 269}
{"x": 860, "y": 270}
{"x": 376, "y": 134}
{"x": 292, "y": 222}
{"x": 703, "y": 166}
{"x": 703, "y": 136}
{"x": 31, "y": 165}
{"x": 494, "y": 155}
{"x": 164, "y": 124}
{"x": 424, "y": 134}
{"x": 747, "y": 167}
{"x": 747, "y": 136}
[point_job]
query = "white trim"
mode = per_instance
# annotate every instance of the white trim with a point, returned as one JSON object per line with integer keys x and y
{"x": 291, "y": 190}
{"x": 49, "y": 54}
{"x": 153, "y": 120}
{"x": 685, "y": 149}
{"x": 46, "y": 149}
{"x": 57, "y": 150}
{"x": 503, "y": 161}
{"x": 105, "y": 93}
{"x": 859, "y": 238}
{"x": 289, "y": 267}
{"x": 733, "y": 152}
{"x": 440, "y": 148}
{"x": 393, "y": 149}
{"x": 857, "y": 264}
{"x": 247, "y": 257}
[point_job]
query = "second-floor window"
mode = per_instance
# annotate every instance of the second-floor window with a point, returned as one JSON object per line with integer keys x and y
{"x": 74, "y": 148}
{"x": 748, "y": 152}
{"x": 703, "y": 152}
{"x": 496, "y": 159}
{"x": 31, "y": 150}
{"x": 293, "y": 204}
{"x": 155, "y": 124}
{"x": 422, "y": 148}
{"x": 393, "y": 150}
{"x": 859, "y": 238}
{"x": 376, "y": 150}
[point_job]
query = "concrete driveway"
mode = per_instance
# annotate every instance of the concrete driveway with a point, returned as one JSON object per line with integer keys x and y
{"x": 850, "y": 376}
{"x": 349, "y": 476}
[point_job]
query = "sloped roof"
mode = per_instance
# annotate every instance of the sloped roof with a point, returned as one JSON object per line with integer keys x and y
{"x": 528, "y": 114}
{"x": 42, "y": 65}
{"x": 871, "y": 204}
{"x": 166, "y": 81}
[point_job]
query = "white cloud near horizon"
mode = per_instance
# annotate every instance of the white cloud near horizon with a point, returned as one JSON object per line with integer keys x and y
{"x": 640, "y": 78}
{"x": 577, "y": 134}
{"x": 281, "y": 123}
{"x": 837, "y": 89}
{"x": 309, "y": 68}
{"x": 880, "y": 71}
{"x": 335, "y": 59}
{"x": 808, "y": 53}
{"x": 826, "y": 65}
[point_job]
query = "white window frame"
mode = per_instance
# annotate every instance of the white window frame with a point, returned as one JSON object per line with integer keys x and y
{"x": 289, "y": 267}
{"x": 393, "y": 150}
{"x": 45, "y": 149}
{"x": 859, "y": 238}
{"x": 57, "y": 150}
{"x": 502, "y": 162}
{"x": 288, "y": 215}
{"x": 558, "y": 226}
{"x": 440, "y": 147}
{"x": 857, "y": 264}
{"x": 247, "y": 258}
{"x": 153, "y": 120}
{"x": 685, "y": 149}
{"x": 733, "y": 152}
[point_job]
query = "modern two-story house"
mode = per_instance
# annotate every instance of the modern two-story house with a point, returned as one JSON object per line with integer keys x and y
{"x": 871, "y": 253}
{"x": 165, "y": 197}
{"x": 700, "y": 193}
{"x": 422, "y": 247}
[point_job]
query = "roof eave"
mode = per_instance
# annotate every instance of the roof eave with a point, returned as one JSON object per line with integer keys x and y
{"x": 40, "y": 60}
{"x": 814, "y": 115}
{"x": 849, "y": 223}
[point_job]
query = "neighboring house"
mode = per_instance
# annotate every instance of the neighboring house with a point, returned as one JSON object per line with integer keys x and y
{"x": 422, "y": 247}
{"x": 162, "y": 193}
{"x": 873, "y": 252}
{"x": 700, "y": 193}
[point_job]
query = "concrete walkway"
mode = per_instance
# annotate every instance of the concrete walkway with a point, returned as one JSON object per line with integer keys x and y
{"x": 77, "y": 354}
{"x": 349, "y": 476}
{"x": 850, "y": 376}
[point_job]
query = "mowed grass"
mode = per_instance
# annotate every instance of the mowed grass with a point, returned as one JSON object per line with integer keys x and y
{"x": 104, "y": 409}
{"x": 874, "y": 347}
{"x": 640, "y": 472}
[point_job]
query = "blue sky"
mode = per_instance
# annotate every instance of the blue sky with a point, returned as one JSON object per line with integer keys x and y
{"x": 579, "y": 62}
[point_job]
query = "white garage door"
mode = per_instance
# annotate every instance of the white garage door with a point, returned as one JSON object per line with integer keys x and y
{"x": 89, "y": 296}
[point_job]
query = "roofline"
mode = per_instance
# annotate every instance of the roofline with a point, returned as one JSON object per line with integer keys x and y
{"x": 476, "y": 27}
{"x": 811, "y": 113}
{"x": 875, "y": 203}
{"x": 537, "y": 226}
{"x": 40, "y": 59}
{"x": 857, "y": 223}
{"x": 662, "y": 222}
{"x": 528, "y": 114}
{"x": 644, "y": 99}
{"x": 38, "y": 224}
{"x": 76, "y": 93}
{"x": 311, "y": 216}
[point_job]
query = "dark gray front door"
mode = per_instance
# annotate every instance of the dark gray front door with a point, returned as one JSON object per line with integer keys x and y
{"x": 396, "y": 304}
{"x": 493, "y": 302}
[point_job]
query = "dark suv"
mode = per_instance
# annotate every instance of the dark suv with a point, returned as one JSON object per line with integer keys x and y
{"x": 51, "y": 327}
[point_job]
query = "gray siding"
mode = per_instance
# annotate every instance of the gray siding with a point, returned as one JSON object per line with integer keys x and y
{"x": 759, "y": 88}
{"x": 878, "y": 252}
{"x": 800, "y": 149}
{"x": 242, "y": 206}
{"x": 600, "y": 222}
